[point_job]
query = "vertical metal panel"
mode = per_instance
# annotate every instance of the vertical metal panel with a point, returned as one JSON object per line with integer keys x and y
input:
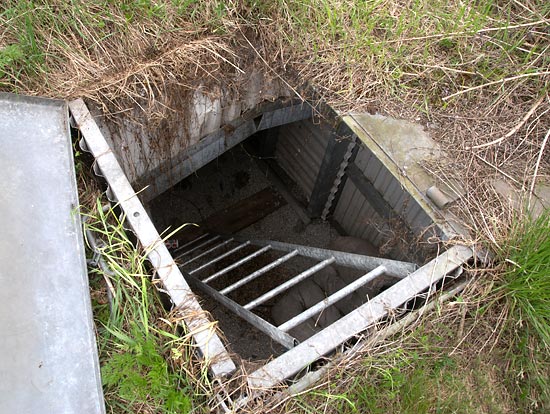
{"x": 358, "y": 203}
{"x": 416, "y": 217}
{"x": 402, "y": 202}
{"x": 364, "y": 156}
{"x": 290, "y": 161}
{"x": 300, "y": 150}
{"x": 342, "y": 205}
{"x": 353, "y": 211}
{"x": 346, "y": 202}
{"x": 356, "y": 215}
{"x": 424, "y": 220}
{"x": 373, "y": 169}
{"x": 393, "y": 192}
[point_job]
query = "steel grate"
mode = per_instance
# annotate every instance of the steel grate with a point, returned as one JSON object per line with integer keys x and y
{"x": 208, "y": 258}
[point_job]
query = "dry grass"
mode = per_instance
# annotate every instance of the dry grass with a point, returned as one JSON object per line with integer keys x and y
{"x": 120, "y": 56}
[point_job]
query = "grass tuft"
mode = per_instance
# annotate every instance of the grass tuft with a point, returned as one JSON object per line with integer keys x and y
{"x": 147, "y": 361}
{"x": 526, "y": 279}
{"x": 525, "y": 288}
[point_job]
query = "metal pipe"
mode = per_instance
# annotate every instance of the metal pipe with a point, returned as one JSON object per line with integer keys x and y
{"x": 236, "y": 264}
{"x": 332, "y": 299}
{"x": 207, "y": 252}
{"x": 258, "y": 272}
{"x": 289, "y": 283}
{"x": 276, "y": 334}
{"x": 357, "y": 261}
{"x": 217, "y": 259}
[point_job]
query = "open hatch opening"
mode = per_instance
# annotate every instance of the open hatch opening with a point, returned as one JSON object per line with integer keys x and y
{"x": 312, "y": 228}
{"x": 251, "y": 204}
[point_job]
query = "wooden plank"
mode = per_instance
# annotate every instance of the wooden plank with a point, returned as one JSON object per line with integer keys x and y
{"x": 236, "y": 217}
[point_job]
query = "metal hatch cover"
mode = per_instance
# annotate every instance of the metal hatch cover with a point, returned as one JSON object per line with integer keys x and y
{"x": 48, "y": 356}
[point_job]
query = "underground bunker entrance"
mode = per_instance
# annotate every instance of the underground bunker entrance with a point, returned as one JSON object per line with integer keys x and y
{"x": 250, "y": 193}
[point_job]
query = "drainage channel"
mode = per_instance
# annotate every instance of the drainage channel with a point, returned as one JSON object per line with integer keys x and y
{"x": 310, "y": 231}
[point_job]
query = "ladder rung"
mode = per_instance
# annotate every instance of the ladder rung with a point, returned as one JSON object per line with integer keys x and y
{"x": 332, "y": 299}
{"x": 197, "y": 247}
{"x": 356, "y": 261}
{"x": 236, "y": 264}
{"x": 258, "y": 273}
{"x": 207, "y": 252}
{"x": 191, "y": 242}
{"x": 218, "y": 258}
{"x": 289, "y": 283}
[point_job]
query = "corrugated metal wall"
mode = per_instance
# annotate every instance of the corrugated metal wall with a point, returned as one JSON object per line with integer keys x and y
{"x": 300, "y": 151}
{"x": 354, "y": 213}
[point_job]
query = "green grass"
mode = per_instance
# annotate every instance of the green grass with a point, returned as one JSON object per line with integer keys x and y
{"x": 147, "y": 363}
{"x": 525, "y": 286}
{"x": 421, "y": 377}
{"x": 526, "y": 281}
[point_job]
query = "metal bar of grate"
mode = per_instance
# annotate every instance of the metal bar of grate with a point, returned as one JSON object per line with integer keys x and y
{"x": 332, "y": 299}
{"x": 294, "y": 360}
{"x": 258, "y": 273}
{"x": 289, "y": 283}
{"x": 276, "y": 334}
{"x": 236, "y": 264}
{"x": 220, "y": 257}
{"x": 207, "y": 252}
{"x": 207, "y": 242}
{"x": 190, "y": 243}
{"x": 357, "y": 261}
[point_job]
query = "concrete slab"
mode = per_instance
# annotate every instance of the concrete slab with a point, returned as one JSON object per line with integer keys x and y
{"x": 48, "y": 356}
{"x": 406, "y": 143}
{"x": 403, "y": 147}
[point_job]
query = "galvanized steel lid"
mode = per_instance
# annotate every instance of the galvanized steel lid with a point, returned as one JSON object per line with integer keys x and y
{"x": 48, "y": 356}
